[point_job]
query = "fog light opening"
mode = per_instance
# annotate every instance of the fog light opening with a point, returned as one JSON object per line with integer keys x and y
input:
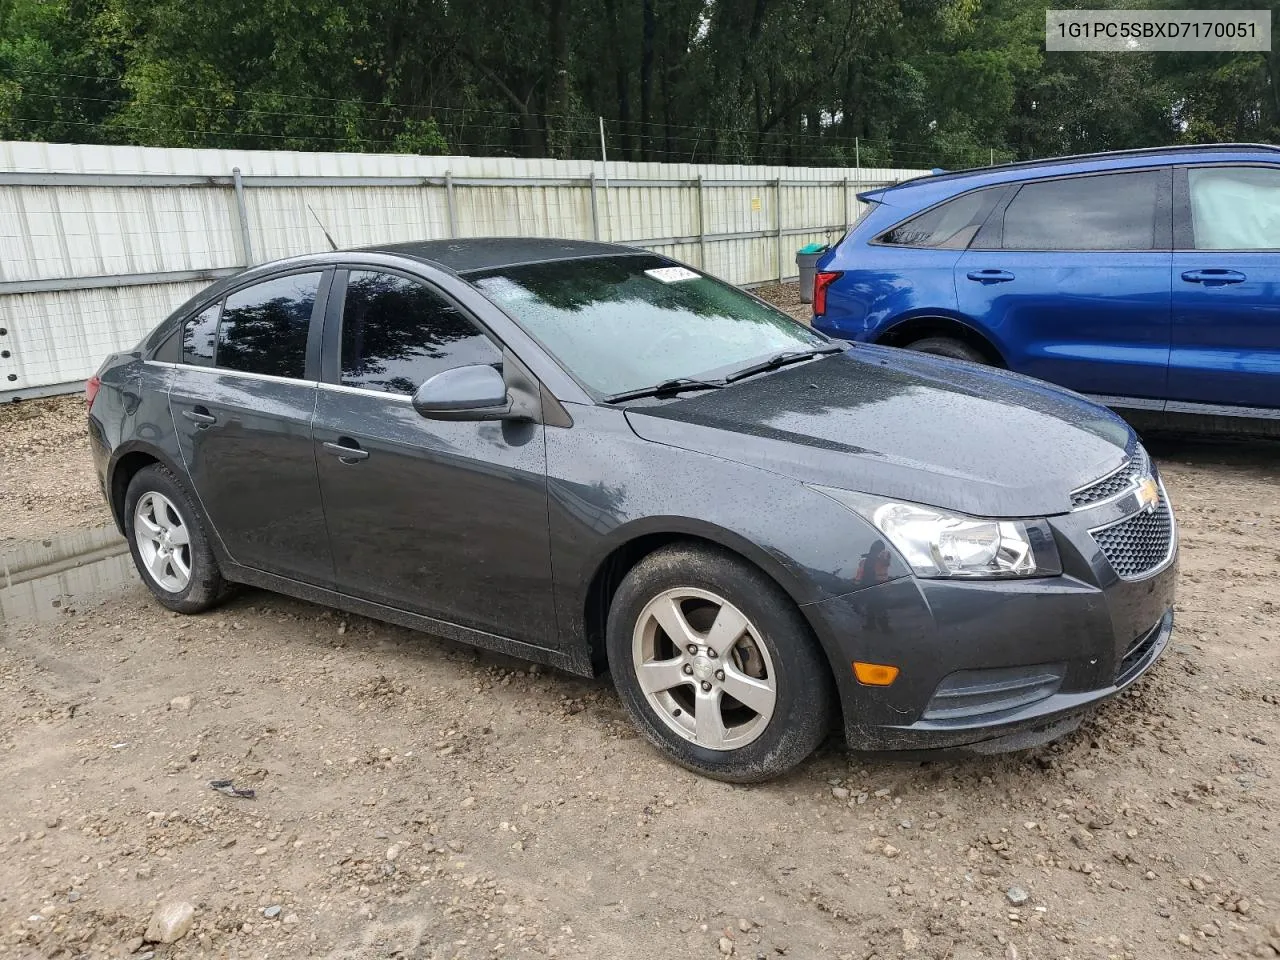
{"x": 874, "y": 674}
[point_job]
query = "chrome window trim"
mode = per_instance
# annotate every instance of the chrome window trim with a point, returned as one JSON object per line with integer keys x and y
{"x": 244, "y": 374}
{"x": 365, "y": 391}
{"x": 338, "y": 387}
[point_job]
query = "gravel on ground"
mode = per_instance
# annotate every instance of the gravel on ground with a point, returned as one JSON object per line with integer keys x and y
{"x": 47, "y": 481}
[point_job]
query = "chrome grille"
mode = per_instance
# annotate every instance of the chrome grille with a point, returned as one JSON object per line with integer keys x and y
{"x": 1129, "y": 475}
{"x": 1138, "y": 544}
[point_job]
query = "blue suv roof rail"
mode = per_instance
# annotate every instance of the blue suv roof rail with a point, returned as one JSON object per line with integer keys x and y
{"x": 1103, "y": 155}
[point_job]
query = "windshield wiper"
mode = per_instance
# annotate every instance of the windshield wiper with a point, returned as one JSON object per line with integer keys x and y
{"x": 676, "y": 385}
{"x": 780, "y": 360}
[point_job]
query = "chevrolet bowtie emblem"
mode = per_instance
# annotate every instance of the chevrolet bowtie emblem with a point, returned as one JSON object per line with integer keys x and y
{"x": 1148, "y": 495}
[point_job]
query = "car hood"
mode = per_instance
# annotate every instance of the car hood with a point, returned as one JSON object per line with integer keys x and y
{"x": 899, "y": 424}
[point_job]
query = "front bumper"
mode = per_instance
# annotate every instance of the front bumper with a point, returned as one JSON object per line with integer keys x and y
{"x": 1089, "y": 631}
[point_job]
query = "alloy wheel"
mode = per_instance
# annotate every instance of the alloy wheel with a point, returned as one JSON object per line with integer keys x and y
{"x": 703, "y": 668}
{"x": 163, "y": 541}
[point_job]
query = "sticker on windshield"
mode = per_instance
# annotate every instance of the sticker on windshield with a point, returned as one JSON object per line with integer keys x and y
{"x": 672, "y": 274}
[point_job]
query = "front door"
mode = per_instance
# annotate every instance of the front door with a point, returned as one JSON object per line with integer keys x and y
{"x": 242, "y": 404}
{"x": 1226, "y": 290}
{"x": 445, "y": 519}
{"x": 1072, "y": 279}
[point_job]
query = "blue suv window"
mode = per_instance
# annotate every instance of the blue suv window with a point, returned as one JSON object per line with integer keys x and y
{"x": 950, "y": 225}
{"x": 1106, "y": 212}
{"x": 1235, "y": 208}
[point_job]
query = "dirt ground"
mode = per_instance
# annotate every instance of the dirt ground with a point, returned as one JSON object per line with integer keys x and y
{"x": 417, "y": 799}
{"x": 786, "y": 296}
{"x": 47, "y": 481}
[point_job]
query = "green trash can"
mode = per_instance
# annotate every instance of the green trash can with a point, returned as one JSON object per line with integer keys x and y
{"x": 807, "y": 260}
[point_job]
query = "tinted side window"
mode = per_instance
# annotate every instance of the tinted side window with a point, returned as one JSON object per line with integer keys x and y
{"x": 199, "y": 334}
{"x": 1235, "y": 208}
{"x": 951, "y": 224}
{"x": 264, "y": 327}
{"x": 1109, "y": 212}
{"x": 397, "y": 333}
{"x": 169, "y": 351}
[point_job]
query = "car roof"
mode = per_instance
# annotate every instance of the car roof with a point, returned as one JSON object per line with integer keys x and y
{"x": 486, "y": 253}
{"x": 929, "y": 188}
{"x": 460, "y": 256}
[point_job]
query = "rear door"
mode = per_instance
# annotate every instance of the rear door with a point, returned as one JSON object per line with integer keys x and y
{"x": 445, "y": 519}
{"x": 1071, "y": 279}
{"x": 1226, "y": 290}
{"x": 905, "y": 272}
{"x": 242, "y": 400}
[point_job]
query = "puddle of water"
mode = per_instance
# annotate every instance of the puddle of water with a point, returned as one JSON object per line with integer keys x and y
{"x": 40, "y": 580}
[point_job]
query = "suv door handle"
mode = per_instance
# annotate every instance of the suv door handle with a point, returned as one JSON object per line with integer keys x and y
{"x": 1214, "y": 277}
{"x": 347, "y": 450}
{"x": 990, "y": 276}
{"x": 200, "y": 415}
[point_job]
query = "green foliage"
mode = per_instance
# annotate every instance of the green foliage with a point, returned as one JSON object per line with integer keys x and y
{"x": 893, "y": 82}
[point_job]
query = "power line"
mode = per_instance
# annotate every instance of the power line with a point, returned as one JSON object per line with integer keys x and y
{"x": 470, "y": 110}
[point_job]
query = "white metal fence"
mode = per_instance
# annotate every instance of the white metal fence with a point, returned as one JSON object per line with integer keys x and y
{"x": 98, "y": 244}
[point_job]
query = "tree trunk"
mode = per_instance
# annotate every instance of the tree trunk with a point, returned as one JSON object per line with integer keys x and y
{"x": 557, "y": 80}
{"x": 622, "y": 79}
{"x": 646, "y": 78}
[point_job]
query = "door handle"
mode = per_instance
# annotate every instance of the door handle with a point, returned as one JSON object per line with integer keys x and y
{"x": 348, "y": 452}
{"x": 1214, "y": 277}
{"x": 990, "y": 276}
{"x": 200, "y": 416}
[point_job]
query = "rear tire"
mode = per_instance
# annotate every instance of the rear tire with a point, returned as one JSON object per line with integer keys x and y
{"x": 168, "y": 541}
{"x": 740, "y": 634}
{"x": 948, "y": 347}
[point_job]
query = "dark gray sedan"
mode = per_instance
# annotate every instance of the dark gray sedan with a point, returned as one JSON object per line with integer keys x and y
{"x": 594, "y": 457}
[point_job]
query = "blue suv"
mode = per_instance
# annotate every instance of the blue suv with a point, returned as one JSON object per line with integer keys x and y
{"x": 1147, "y": 279}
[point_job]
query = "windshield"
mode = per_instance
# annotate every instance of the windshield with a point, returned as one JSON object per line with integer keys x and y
{"x": 626, "y": 322}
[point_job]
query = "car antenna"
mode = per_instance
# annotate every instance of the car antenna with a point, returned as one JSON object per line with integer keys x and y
{"x": 332, "y": 245}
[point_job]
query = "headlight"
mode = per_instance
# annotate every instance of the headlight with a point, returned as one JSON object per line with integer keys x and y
{"x": 937, "y": 543}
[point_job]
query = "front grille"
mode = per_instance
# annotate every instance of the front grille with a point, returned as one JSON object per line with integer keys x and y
{"x": 1138, "y": 544}
{"x": 1130, "y": 474}
{"x": 1136, "y": 657}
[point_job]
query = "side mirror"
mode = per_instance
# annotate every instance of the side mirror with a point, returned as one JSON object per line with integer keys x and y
{"x": 473, "y": 392}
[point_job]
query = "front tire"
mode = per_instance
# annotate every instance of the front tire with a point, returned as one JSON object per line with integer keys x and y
{"x": 168, "y": 542}
{"x": 716, "y": 666}
{"x": 947, "y": 347}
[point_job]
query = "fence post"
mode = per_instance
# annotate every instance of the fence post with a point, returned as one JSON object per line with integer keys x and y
{"x": 846, "y": 205}
{"x": 702, "y": 228}
{"x": 448, "y": 193}
{"x": 777, "y": 204}
{"x": 595, "y": 213}
{"x": 242, "y": 211}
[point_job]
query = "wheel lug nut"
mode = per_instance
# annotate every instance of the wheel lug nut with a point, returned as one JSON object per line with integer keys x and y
{"x": 720, "y": 675}
{"x": 706, "y": 687}
{"x": 688, "y": 669}
{"x": 692, "y": 649}
{"x": 711, "y": 653}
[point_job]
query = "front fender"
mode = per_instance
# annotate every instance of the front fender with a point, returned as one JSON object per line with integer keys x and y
{"x": 813, "y": 547}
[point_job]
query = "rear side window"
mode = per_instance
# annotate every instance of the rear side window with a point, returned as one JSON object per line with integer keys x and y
{"x": 950, "y": 225}
{"x": 170, "y": 350}
{"x": 1235, "y": 208}
{"x": 264, "y": 327}
{"x": 1108, "y": 212}
{"x": 398, "y": 333}
{"x": 199, "y": 336}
